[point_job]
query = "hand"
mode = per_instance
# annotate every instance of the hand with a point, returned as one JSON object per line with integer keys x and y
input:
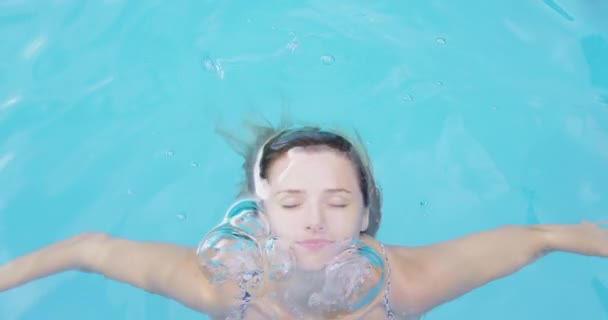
{"x": 77, "y": 252}
{"x": 586, "y": 238}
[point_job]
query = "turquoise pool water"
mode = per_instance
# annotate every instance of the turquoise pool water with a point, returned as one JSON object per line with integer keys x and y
{"x": 476, "y": 114}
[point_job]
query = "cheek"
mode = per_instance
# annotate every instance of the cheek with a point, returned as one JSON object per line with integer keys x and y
{"x": 281, "y": 223}
{"x": 347, "y": 222}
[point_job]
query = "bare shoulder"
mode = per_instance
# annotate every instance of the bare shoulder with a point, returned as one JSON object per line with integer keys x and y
{"x": 410, "y": 279}
{"x": 189, "y": 285}
{"x": 407, "y": 279}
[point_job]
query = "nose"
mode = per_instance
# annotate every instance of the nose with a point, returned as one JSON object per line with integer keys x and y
{"x": 316, "y": 221}
{"x": 315, "y": 228}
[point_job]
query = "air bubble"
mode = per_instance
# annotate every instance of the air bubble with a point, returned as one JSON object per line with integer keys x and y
{"x": 280, "y": 257}
{"x": 214, "y": 66}
{"x": 328, "y": 59}
{"x": 181, "y": 216}
{"x": 169, "y": 153}
{"x": 209, "y": 65}
{"x": 407, "y": 98}
{"x": 439, "y": 83}
{"x": 440, "y": 40}
{"x": 293, "y": 44}
{"x": 194, "y": 164}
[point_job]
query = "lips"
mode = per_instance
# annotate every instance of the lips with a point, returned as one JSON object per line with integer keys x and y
{"x": 315, "y": 244}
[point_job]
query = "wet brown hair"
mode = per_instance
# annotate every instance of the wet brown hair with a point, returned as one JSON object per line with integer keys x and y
{"x": 273, "y": 143}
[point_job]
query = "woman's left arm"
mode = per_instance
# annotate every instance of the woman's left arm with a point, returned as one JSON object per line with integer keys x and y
{"x": 437, "y": 273}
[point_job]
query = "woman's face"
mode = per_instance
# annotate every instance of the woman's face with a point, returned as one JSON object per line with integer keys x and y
{"x": 313, "y": 200}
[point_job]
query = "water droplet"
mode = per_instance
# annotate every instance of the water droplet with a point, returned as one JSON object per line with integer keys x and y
{"x": 194, "y": 165}
{"x": 214, "y": 66}
{"x": 292, "y": 45}
{"x": 439, "y": 83}
{"x": 407, "y": 98}
{"x": 209, "y": 65}
{"x": 10, "y": 102}
{"x": 181, "y": 216}
{"x": 423, "y": 207}
{"x": 169, "y": 153}
{"x": 328, "y": 59}
{"x": 440, "y": 40}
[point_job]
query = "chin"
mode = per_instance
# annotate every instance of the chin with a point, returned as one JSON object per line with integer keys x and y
{"x": 307, "y": 261}
{"x": 316, "y": 259}
{"x": 310, "y": 266}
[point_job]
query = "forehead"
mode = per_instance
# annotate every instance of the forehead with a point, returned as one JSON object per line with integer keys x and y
{"x": 312, "y": 166}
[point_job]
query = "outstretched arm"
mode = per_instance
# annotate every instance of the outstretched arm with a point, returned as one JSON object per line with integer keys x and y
{"x": 159, "y": 268}
{"x": 431, "y": 275}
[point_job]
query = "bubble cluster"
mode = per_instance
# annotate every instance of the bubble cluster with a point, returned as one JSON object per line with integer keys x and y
{"x": 240, "y": 254}
{"x": 230, "y": 250}
{"x": 352, "y": 280}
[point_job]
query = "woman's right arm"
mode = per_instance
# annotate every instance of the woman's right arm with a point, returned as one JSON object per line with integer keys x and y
{"x": 160, "y": 268}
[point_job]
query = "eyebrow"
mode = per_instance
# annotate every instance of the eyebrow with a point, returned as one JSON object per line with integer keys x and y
{"x": 297, "y": 191}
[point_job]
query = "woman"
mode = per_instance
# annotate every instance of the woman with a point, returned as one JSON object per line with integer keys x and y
{"x": 315, "y": 189}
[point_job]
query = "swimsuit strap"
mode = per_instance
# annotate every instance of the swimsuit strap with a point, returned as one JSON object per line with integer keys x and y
{"x": 245, "y": 300}
{"x": 389, "y": 312}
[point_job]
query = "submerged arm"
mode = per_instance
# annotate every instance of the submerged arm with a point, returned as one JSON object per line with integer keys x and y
{"x": 434, "y": 274}
{"x": 159, "y": 268}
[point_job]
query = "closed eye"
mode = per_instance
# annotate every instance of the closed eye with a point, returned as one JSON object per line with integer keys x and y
{"x": 289, "y": 206}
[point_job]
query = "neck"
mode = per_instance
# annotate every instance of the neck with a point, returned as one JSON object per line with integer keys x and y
{"x": 296, "y": 291}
